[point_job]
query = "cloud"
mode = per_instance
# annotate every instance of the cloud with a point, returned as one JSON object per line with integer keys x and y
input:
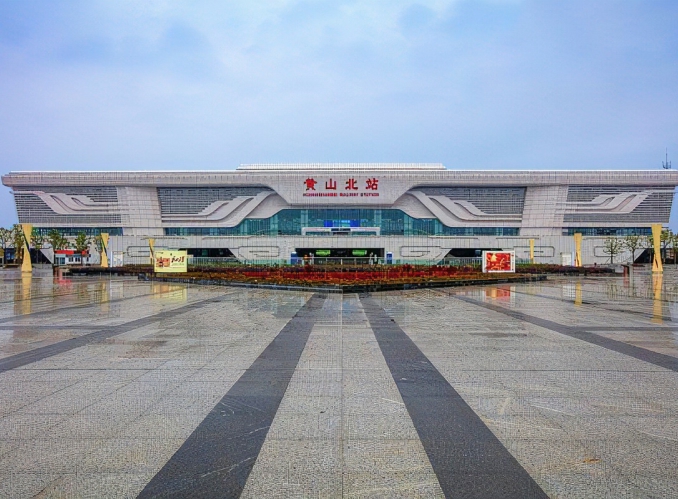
{"x": 210, "y": 84}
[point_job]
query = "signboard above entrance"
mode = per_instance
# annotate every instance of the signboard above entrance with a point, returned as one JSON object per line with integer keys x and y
{"x": 349, "y": 187}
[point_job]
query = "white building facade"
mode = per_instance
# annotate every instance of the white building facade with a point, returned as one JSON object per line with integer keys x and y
{"x": 415, "y": 213}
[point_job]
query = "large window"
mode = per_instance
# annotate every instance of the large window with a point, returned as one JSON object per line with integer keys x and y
{"x": 608, "y": 231}
{"x": 391, "y": 223}
{"x": 481, "y": 231}
{"x": 74, "y": 231}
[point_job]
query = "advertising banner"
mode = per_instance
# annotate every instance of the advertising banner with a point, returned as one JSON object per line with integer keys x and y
{"x": 170, "y": 261}
{"x": 499, "y": 261}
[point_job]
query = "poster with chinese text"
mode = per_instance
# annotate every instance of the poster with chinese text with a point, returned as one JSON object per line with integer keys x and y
{"x": 170, "y": 261}
{"x": 499, "y": 261}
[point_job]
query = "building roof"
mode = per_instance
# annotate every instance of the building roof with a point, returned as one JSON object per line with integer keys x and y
{"x": 341, "y": 166}
{"x": 293, "y": 173}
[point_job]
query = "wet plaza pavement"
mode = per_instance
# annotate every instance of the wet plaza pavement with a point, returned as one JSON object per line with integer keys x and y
{"x": 122, "y": 388}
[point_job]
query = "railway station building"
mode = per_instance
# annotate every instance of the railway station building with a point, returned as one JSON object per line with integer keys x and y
{"x": 400, "y": 213}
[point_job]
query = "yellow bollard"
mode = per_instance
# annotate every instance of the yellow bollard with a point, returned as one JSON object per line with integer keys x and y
{"x": 26, "y": 265}
{"x": 151, "y": 242}
{"x": 657, "y": 303}
{"x": 577, "y": 249}
{"x": 104, "y": 250}
{"x": 656, "y": 246}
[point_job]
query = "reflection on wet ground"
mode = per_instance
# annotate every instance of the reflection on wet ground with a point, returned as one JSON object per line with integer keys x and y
{"x": 122, "y": 388}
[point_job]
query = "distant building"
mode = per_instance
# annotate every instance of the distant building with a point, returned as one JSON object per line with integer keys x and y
{"x": 406, "y": 212}
{"x": 70, "y": 257}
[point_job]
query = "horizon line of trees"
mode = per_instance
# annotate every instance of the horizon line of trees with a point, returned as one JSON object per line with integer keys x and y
{"x": 614, "y": 245}
{"x": 54, "y": 239}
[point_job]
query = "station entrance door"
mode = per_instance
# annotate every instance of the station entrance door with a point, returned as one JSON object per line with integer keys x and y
{"x": 340, "y": 256}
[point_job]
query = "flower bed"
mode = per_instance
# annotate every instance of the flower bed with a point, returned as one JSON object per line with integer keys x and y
{"x": 336, "y": 275}
{"x": 341, "y": 275}
{"x": 541, "y": 268}
{"x": 347, "y": 279}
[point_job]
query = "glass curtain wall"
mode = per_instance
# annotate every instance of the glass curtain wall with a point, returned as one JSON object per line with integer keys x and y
{"x": 608, "y": 231}
{"x": 390, "y": 222}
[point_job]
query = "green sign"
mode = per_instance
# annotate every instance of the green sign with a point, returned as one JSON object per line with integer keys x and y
{"x": 322, "y": 253}
{"x": 359, "y": 252}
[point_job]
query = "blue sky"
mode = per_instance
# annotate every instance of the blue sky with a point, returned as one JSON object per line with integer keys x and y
{"x": 473, "y": 84}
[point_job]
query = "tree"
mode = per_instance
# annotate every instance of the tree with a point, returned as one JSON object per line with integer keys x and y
{"x": 648, "y": 243}
{"x": 5, "y": 238}
{"x": 613, "y": 246}
{"x": 665, "y": 239}
{"x": 633, "y": 243}
{"x": 18, "y": 242}
{"x": 81, "y": 242}
{"x": 674, "y": 245}
{"x": 37, "y": 240}
{"x": 56, "y": 240}
{"x": 98, "y": 245}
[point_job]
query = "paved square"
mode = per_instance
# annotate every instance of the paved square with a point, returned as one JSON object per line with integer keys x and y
{"x": 122, "y": 388}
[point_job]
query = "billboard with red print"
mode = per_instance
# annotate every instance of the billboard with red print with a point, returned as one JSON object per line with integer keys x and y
{"x": 499, "y": 261}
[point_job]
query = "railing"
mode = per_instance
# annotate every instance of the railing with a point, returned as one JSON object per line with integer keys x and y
{"x": 203, "y": 261}
{"x": 475, "y": 262}
{"x": 352, "y": 261}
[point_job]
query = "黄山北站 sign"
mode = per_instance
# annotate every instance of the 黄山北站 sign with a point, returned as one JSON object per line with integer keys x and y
{"x": 344, "y": 187}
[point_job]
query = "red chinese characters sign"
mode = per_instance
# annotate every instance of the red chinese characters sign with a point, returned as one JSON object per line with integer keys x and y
{"x": 341, "y": 187}
{"x": 499, "y": 261}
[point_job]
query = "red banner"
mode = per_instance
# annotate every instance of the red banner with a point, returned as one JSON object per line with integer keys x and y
{"x": 499, "y": 261}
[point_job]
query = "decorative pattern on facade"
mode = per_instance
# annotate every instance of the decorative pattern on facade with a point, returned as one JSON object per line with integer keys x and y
{"x": 460, "y": 211}
{"x": 452, "y": 212}
{"x": 620, "y": 204}
{"x": 69, "y": 205}
{"x": 224, "y": 213}
{"x": 194, "y": 200}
